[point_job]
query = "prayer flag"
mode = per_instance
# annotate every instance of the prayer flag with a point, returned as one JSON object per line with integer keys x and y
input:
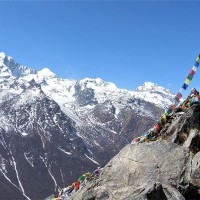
{"x": 198, "y": 59}
{"x": 179, "y": 95}
{"x": 194, "y": 68}
{"x": 190, "y": 77}
{"x": 187, "y": 81}
{"x": 184, "y": 86}
{"x": 192, "y": 72}
{"x": 196, "y": 64}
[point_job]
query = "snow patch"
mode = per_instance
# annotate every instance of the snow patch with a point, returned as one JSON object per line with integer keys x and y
{"x": 24, "y": 134}
{"x": 3, "y": 164}
{"x": 91, "y": 159}
{"x": 66, "y": 152}
{"x": 17, "y": 174}
{"x": 29, "y": 158}
{"x": 6, "y": 177}
{"x": 56, "y": 185}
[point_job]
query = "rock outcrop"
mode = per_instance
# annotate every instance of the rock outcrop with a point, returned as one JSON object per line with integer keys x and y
{"x": 166, "y": 169}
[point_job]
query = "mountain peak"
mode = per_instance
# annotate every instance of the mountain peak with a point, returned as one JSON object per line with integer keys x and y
{"x": 93, "y": 80}
{"x": 97, "y": 83}
{"x": 2, "y": 55}
{"x": 147, "y": 86}
{"x": 4, "y": 58}
{"x": 154, "y": 93}
{"x": 46, "y": 73}
{"x": 9, "y": 68}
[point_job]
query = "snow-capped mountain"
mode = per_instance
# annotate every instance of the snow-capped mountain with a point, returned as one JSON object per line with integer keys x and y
{"x": 154, "y": 93}
{"x": 9, "y": 68}
{"x": 53, "y": 129}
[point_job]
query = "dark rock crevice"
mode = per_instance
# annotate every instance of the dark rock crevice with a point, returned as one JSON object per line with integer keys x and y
{"x": 191, "y": 193}
{"x": 156, "y": 193}
{"x": 195, "y": 144}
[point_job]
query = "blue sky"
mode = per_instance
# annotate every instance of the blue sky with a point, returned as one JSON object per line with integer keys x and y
{"x": 124, "y": 42}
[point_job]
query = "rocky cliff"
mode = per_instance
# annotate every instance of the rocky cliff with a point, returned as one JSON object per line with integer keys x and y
{"x": 166, "y": 169}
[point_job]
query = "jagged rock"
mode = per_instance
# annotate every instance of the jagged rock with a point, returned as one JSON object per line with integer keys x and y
{"x": 161, "y": 170}
{"x": 180, "y": 128}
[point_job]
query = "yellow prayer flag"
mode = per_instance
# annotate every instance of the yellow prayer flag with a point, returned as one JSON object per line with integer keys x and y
{"x": 187, "y": 81}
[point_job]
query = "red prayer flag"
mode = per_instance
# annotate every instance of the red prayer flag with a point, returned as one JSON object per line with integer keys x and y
{"x": 192, "y": 72}
{"x": 179, "y": 95}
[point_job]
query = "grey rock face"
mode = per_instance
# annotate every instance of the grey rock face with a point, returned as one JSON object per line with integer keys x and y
{"x": 166, "y": 169}
{"x": 84, "y": 97}
{"x": 133, "y": 173}
{"x": 195, "y": 171}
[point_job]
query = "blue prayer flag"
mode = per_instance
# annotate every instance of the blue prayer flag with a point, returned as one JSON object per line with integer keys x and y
{"x": 184, "y": 86}
{"x": 196, "y": 64}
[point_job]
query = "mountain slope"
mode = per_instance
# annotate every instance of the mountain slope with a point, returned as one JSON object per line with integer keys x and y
{"x": 34, "y": 137}
{"x": 53, "y": 129}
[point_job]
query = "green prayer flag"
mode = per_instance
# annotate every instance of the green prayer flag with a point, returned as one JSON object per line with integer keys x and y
{"x": 190, "y": 77}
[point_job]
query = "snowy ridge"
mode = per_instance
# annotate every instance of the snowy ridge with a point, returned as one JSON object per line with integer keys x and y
{"x": 10, "y": 69}
{"x": 64, "y": 91}
{"x": 154, "y": 93}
